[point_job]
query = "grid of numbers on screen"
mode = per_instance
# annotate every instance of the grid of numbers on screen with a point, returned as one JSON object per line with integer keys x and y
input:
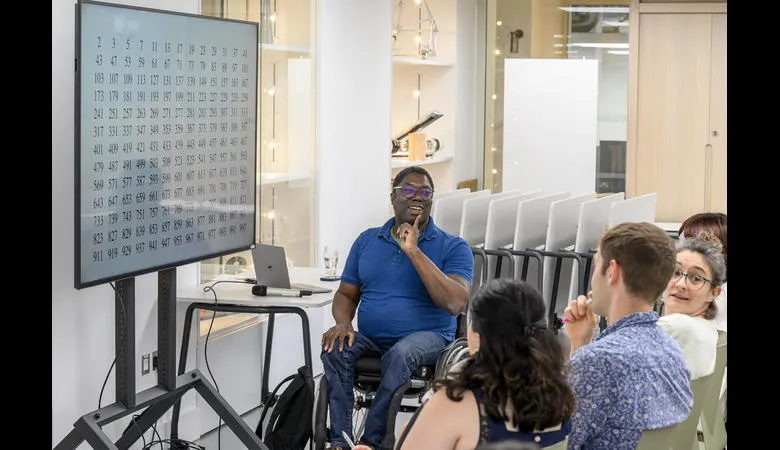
{"x": 168, "y": 129}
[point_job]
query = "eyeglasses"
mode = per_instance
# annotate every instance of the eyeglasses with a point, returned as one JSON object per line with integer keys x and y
{"x": 695, "y": 282}
{"x": 408, "y": 192}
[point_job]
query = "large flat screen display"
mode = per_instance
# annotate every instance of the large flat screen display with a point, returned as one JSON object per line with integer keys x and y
{"x": 166, "y": 126}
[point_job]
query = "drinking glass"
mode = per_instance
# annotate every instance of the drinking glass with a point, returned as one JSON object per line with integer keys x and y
{"x": 330, "y": 259}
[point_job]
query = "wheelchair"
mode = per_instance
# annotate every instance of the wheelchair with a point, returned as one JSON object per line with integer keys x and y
{"x": 368, "y": 373}
{"x": 366, "y": 383}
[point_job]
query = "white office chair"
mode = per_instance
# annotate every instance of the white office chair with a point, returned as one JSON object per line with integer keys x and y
{"x": 449, "y": 211}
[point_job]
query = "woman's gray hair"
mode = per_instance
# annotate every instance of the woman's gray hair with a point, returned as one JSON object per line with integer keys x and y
{"x": 707, "y": 245}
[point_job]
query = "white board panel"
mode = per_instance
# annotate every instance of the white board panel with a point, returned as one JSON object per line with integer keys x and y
{"x": 550, "y": 124}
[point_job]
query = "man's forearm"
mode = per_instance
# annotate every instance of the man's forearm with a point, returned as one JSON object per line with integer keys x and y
{"x": 343, "y": 309}
{"x": 446, "y": 293}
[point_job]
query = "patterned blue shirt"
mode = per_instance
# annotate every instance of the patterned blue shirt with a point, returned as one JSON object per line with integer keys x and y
{"x": 632, "y": 377}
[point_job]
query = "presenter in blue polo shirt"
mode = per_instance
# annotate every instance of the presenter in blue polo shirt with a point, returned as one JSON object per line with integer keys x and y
{"x": 408, "y": 280}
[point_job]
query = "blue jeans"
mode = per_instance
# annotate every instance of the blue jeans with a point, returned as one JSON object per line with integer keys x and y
{"x": 398, "y": 363}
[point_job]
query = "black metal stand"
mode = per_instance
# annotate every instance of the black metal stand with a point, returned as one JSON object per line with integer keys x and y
{"x": 157, "y": 400}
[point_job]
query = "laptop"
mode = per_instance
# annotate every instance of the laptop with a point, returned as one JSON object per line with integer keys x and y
{"x": 271, "y": 270}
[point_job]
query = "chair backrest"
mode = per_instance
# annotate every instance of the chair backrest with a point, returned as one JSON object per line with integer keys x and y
{"x": 593, "y": 220}
{"x": 440, "y": 195}
{"x": 685, "y": 434}
{"x": 500, "y": 226}
{"x": 682, "y": 436}
{"x": 712, "y": 424}
{"x": 561, "y": 234}
{"x": 531, "y": 231}
{"x": 635, "y": 209}
{"x": 449, "y": 211}
{"x": 475, "y": 212}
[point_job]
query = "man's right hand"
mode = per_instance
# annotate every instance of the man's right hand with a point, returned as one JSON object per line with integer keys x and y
{"x": 339, "y": 333}
{"x": 580, "y": 322}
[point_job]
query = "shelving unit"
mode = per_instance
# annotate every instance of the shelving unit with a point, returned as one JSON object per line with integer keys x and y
{"x": 400, "y": 163}
{"x": 421, "y": 62}
{"x": 422, "y": 84}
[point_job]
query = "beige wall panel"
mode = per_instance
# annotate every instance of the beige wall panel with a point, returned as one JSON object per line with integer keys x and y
{"x": 548, "y": 21}
{"x": 717, "y": 200}
{"x": 672, "y": 109}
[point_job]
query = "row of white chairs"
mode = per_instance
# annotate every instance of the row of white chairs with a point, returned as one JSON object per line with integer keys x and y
{"x": 537, "y": 236}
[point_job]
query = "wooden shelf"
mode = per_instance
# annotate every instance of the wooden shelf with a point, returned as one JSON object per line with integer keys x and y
{"x": 421, "y": 62}
{"x": 284, "y": 48}
{"x": 400, "y": 163}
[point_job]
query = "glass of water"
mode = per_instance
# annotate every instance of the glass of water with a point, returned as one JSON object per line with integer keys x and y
{"x": 330, "y": 259}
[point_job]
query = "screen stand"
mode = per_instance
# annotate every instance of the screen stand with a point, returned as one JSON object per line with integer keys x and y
{"x": 157, "y": 400}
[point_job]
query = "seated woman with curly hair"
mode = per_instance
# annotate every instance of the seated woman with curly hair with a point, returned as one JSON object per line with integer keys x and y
{"x": 511, "y": 386}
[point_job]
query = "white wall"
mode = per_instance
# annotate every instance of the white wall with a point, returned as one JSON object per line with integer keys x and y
{"x": 354, "y": 84}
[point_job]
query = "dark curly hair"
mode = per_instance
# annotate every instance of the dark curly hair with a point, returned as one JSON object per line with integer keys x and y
{"x": 520, "y": 361}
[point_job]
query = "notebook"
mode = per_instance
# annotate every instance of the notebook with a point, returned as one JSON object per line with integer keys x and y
{"x": 271, "y": 270}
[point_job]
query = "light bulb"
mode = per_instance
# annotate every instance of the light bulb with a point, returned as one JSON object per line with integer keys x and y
{"x": 498, "y": 23}
{"x": 417, "y": 38}
{"x": 273, "y": 18}
{"x": 271, "y": 91}
{"x": 415, "y": 93}
{"x": 271, "y": 214}
{"x": 495, "y": 171}
{"x": 494, "y": 96}
{"x": 272, "y": 144}
{"x": 418, "y": 2}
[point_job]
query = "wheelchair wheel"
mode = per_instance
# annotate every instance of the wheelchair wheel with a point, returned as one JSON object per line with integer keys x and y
{"x": 321, "y": 430}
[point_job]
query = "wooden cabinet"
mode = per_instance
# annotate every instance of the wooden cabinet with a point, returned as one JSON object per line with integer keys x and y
{"x": 677, "y": 107}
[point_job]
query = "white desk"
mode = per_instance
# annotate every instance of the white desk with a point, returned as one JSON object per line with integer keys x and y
{"x": 238, "y": 298}
{"x": 241, "y": 293}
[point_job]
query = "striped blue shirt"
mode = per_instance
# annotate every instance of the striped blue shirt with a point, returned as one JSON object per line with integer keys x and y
{"x": 632, "y": 377}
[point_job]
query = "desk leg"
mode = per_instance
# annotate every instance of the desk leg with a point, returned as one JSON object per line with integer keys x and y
{"x": 269, "y": 340}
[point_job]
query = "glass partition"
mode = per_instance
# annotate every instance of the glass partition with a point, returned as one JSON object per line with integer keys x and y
{"x": 558, "y": 29}
{"x": 286, "y": 146}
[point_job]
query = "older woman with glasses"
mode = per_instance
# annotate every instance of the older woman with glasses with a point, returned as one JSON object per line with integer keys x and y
{"x": 689, "y": 307}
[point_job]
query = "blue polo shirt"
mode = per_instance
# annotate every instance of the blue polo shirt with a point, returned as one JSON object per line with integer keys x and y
{"x": 393, "y": 299}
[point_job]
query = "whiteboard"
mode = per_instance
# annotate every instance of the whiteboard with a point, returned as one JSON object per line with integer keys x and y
{"x": 550, "y": 124}
{"x": 166, "y": 112}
